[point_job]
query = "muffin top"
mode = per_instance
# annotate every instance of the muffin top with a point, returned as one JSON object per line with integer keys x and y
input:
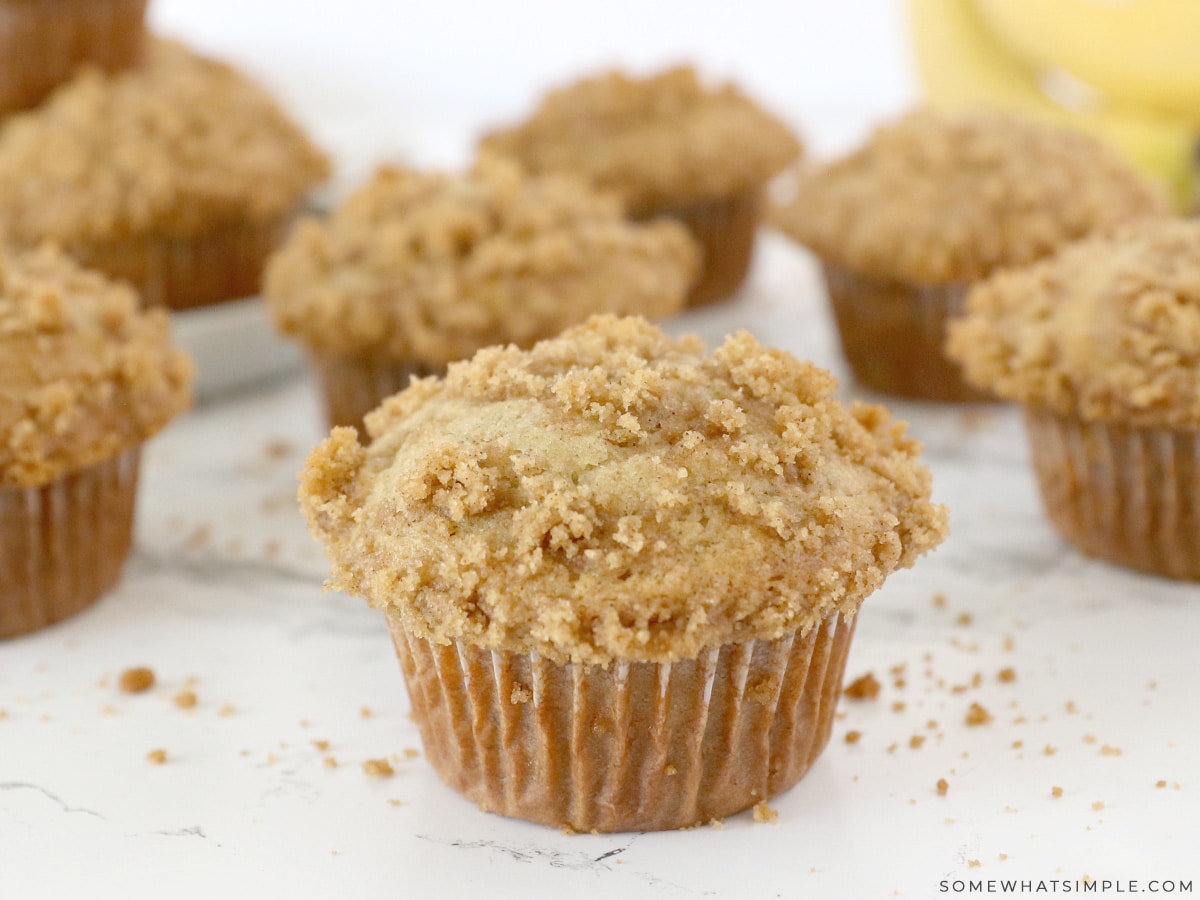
{"x": 613, "y": 494}
{"x": 429, "y": 267}
{"x": 662, "y": 139}
{"x": 944, "y": 197}
{"x": 1107, "y": 329}
{"x": 85, "y": 375}
{"x": 179, "y": 146}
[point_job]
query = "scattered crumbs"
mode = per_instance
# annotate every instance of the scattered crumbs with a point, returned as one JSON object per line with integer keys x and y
{"x": 272, "y": 759}
{"x": 1009, "y": 643}
{"x": 392, "y": 801}
{"x": 899, "y": 706}
{"x": 137, "y": 680}
{"x": 1098, "y": 805}
{"x": 185, "y": 699}
{"x": 520, "y": 694}
{"x": 1017, "y": 745}
{"x": 892, "y": 748}
{"x": 977, "y": 679}
{"x": 939, "y": 601}
{"x": 1152, "y": 686}
{"x": 411, "y": 752}
{"x": 304, "y": 723}
{"x": 973, "y": 864}
{"x": 1071, "y": 707}
{"x": 227, "y": 710}
{"x": 1049, "y": 750}
{"x": 916, "y": 741}
{"x": 378, "y": 768}
{"x": 199, "y": 537}
{"x": 977, "y": 715}
{"x": 243, "y": 752}
{"x": 108, "y": 710}
{"x": 1089, "y": 739}
{"x": 323, "y": 746}
{"x": 1003, "y": 857}
{"x": 931, "y": 724}
{"x": 864, "y": 687}
{"x": 764, "y": 813}
{"x": 1020, "y": 720}
{"x": 366, "y": 712}
{"x": 277, "y": 449}
{"x": 964, "y": 619}
{"x": 1007, "y": 675}
{"x": 157, "y": 757}
{"x": 1160, "y": 784}
{"x": 1056, "y": 791}
{"x": 853, "y": 737}
{"x": 958, "y": 689}
{"x": 1106, "y": 750}
{"x": 943, "y": 787}
{"x": 331, "y": 762}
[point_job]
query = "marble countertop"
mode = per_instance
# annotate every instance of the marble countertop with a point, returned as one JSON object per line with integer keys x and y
{"x": 263, "y": 791}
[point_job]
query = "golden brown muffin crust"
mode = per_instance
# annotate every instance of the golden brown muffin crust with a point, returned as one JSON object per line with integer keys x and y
{"x": 179, "y": 146}
{"x": 614, "y": 494}
{"x": 939, "y": 197}
{"x": 430, "y": 267}
{"x": 1108, "y": 329}
{"x": 84, "y": 374}
{"x": 658, "y": 139}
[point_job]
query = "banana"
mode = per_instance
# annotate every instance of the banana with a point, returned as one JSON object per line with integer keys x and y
{"x": 960, "y": 64}
{"x": 1137, "y": 52}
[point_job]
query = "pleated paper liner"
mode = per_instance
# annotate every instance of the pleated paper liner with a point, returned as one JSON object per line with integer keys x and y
{"x": 62, "y": 545}
{"x": 632, "y": 747}
{"x": 353, "y": 386}
{"x": 1119, "y": 493}
{"x": 893, "y": 333}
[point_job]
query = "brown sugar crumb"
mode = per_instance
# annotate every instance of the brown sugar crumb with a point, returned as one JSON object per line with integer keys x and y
{"x": 916, "y": 741}
{"x": 1017, "y": 745}
{"x": 1007, "y": 675}
{"x": 899, "y": 706}
{"x": 943, "y": 787}
{"x": 331, "y": 762}
{"x": 1098, "y": 805}
{"x": 366, "y": 712}
{"x": 1089, "y": 739}
{"x": 864, "y": 687}
{"x": 853, "y": 737}
{"x": 932, "y": 724}
{"x": 964, "y": 619}
{"x": 392, "y": 801}
{"x": 1056, "y": 791}
{"x": 1106, "y": 750}
{"x": 157, "y": 757}
{"x": 939, "y": 601}
{"x": 765, "y": 814}
{"x": 520, "y": 694}
{"x": 977, "y": 715}
{"x": 137, "y": 680}
{"x": 227, "y": 710}
{"x": 1049, "y": 750}
{"x": 411, "y": 752}
{"x": 185, "y": 699}
{"x": 973, "y": 864}
{"x": 892, "y": 748}
{"x": 378, "y": 768}
{"x": 321, "y": 745}
{"x": 1071, "y": 708}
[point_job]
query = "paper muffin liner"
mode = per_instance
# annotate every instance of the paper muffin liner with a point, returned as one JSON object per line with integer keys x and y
{"x": 725, "y": 230}
{"x": 1119, "y": 493}
{"x": 353, "y": 386}
{"x": 43, "y": 43}
{"x": 635, "y": 746}
{"x": 893, "y": 334}
{"x": 188, "y": 272}
{"x": 62, "y": 545}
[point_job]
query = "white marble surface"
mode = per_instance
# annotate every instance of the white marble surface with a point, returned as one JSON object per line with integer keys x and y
{"x": 223, "y": 596}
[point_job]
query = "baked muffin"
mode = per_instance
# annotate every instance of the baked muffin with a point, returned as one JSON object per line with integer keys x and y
{"x": 621, "y": 575}
{"x": 179, "y": 177}
{"x": 1101, "y": 347}
{"x": 671, "y": 147}
{"x": 43, "y": 42}
{"x": 934, "y": 202}
{"x": 86, "y": 379}
{"x": 419, "y": 269}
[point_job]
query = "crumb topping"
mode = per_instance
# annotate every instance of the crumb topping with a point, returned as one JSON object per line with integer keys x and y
{"x": 939, "y": 197}
{"x": 662, "y": 138}
{"x": 430, "y": 267}
{"x": 1107, "y": 330}
{"x": 614, "y": 494}
{"x": 179, "y": 146}
{"x": 85, "y": 375}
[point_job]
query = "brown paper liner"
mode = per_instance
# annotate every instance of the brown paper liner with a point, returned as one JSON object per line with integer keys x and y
{"x": 632, "y": 747}
{"x": 725, "y": 230}
{"x": 893, "y": 332}
{"x": 187, "y": 272}
{"x": 62, "y": 545}
{"x": 353, "y": 386}
{"x": 43, "y": 43}
{"x": 1127, "y": 495}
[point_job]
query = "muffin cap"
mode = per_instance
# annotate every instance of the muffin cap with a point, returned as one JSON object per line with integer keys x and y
{"x": 949, "y": 197}
{"x": 612, "y": 494}
{"x": 85, "y": 375}
{"x": 178, "y": 147}
{"x": 661, "y": 139}
{"x": 429, "y": 267}
{"x": 1107, "y": 329}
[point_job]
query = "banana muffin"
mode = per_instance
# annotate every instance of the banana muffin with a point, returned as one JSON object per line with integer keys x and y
{"x": 621, "y": 574}
{"x": 86, "y": 379}
{"x": 672, "y": 147}
{"x": 931, "y": 203}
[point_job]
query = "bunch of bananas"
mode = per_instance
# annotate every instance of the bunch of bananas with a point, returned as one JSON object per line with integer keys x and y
{"x": 1126, "y": 71}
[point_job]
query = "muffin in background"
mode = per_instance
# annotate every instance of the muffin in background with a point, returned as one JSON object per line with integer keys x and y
{"x": 621, "y": 574}
{"x": 418, "y": 269}
{"x": 1100, "y": 345}
{"x": 672, "y": 148}
{"x": 932, "y": 203}
{"x": 179, "y": 177}
{"x": 86, "y": 379}
{"x": 44, "y": 42}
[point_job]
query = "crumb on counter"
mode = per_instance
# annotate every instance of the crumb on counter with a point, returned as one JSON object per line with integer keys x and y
{"x": 977, "y": 715}
{"x": 943, "y": 787}
{"x": 1007, "y": 675}
{"x": 765, "y": 814}
{"x": 157, "y": 757}
{"x": 378, "y": 768}
{"x": 137, "y": 680}
{"x": 185, "y": 699}
{"x": 853, "y": 737}
{"x": 864, "y": 687}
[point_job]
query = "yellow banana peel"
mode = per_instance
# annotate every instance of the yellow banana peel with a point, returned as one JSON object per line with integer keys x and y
{"x": 961, "y": 64}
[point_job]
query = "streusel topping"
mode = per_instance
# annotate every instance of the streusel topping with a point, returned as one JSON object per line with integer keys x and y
{"x": 667, "y": 137}
{"x": 614, "y": 494}
{"x": 939, "y": 197}
{"x": 1108, "y": 329}
{"x": 85, "y": 375}
{"x": 430, "y": 267}
{"x": 178, "y": 146}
